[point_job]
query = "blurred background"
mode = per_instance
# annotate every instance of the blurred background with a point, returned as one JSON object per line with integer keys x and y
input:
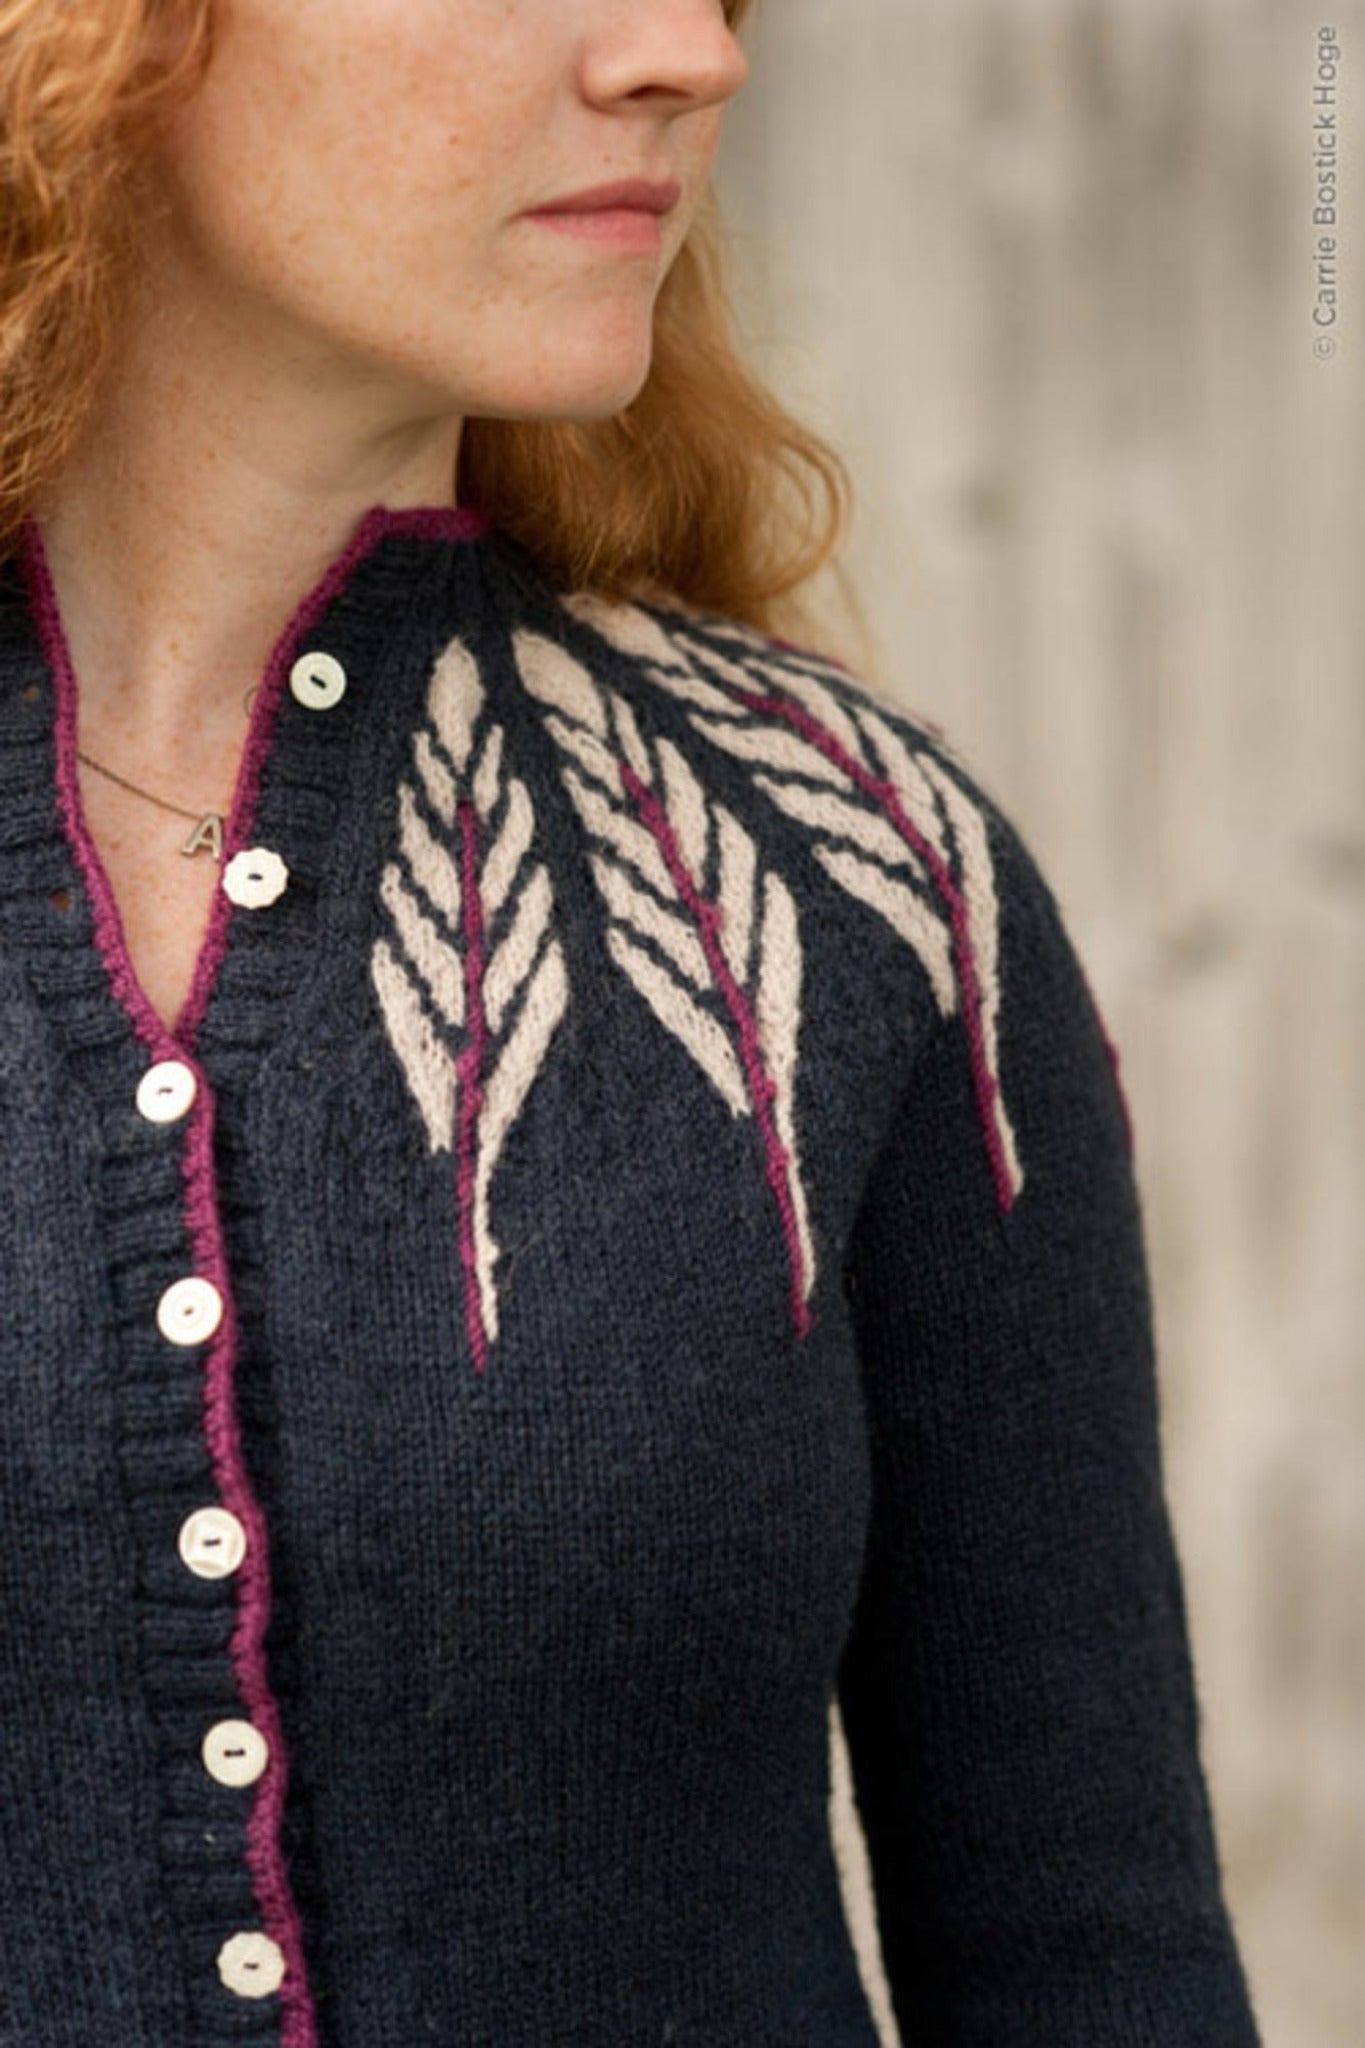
{"x": 1044, "y": 271}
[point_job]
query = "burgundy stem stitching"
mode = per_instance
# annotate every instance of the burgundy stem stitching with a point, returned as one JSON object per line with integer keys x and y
{"x": 884, "y": 792}
{"x": 762, "y": 1086}
{"x": 469, "y": 1070}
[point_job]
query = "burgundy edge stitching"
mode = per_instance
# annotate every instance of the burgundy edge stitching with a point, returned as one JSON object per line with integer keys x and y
{"x": 762, "y": 1086}
{"x": 263, "y": 1852}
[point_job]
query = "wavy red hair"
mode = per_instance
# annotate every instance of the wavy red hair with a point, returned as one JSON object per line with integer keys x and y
{"x": 705, "y": 491}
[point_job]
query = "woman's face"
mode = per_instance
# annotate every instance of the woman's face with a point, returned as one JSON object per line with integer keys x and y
{"x": 347, "y": 190}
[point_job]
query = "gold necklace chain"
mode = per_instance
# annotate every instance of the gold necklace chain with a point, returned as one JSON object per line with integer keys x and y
{"x": 208, "y": 825}
{"x": 124, "y": 783}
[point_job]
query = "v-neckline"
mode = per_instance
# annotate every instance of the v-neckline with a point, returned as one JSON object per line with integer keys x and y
{"x": 356, "y": 573}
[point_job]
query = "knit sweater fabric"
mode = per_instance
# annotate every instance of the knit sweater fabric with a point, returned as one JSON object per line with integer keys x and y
{"x": 632, "y": 1240}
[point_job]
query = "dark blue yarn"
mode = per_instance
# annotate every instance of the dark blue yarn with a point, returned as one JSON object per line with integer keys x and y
{"x": 555, "y": 1645}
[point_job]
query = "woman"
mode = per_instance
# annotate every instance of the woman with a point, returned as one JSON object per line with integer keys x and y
{"x": 566, "y": 1205}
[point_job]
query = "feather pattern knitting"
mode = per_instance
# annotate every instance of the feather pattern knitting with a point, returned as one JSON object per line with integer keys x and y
{"x": 888, "y": 822}
{"x": 470, "y": 976}
{"x": 704, "y": 928}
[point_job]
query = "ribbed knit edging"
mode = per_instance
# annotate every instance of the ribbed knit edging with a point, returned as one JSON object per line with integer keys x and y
{"x": 294, "y": 2006}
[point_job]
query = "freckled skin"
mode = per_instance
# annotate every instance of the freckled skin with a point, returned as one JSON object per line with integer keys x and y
{"x": 353, "y": 170}
{"x": 334, "y": 276}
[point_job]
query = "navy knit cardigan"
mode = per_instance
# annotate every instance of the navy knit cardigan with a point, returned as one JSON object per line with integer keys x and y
{"x": 632, "y": 1240}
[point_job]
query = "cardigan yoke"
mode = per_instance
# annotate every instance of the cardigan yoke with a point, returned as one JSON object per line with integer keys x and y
{"x": 631, "y": 1246}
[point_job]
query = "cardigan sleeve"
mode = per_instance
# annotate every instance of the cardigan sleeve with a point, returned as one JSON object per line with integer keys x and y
{"x": 1016, "y": 1691}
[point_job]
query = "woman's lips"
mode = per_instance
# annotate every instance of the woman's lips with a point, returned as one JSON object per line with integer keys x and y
{"x": 625, "y": 227}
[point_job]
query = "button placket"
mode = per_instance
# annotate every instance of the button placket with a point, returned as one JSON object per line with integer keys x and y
{"x": 212, "y": 1544}
{"x": 212, "y": 1540}
{"x": 180, "y": 1447}
{"x": 257, "y": 876}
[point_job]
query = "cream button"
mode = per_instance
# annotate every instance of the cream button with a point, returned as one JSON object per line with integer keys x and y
{"x": 234, "y": 1752}
{"x": 212, "y": 1542}
{"x": 190, "y": 1310}
{"x": 251, "y": 1964}
{"x": 166, "y": 1091}
{"x": 255, "y": 877}
{"x": 318, "y": 680}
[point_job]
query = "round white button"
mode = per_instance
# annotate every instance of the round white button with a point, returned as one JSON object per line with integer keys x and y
{"x": 234, "y": 1752}
{"x": 166, "y": 1091}
{"x": 255, "y": 877}
{"x": 190, "y": 1310}
{"x": 212, "y": 1542}
{"x": 251, "y": 1964}
{"x": 318, "y": 680}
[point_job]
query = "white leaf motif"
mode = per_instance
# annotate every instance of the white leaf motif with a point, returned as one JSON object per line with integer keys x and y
{"x": 686, "y": 891}
{"x": 472, "y": 989}
{"x": 888, "y": 821}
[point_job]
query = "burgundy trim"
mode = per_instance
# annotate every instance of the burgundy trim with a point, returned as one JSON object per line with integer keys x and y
{"x": 429, "y": 522}
{"x": 433, "y": 522}
{"x": 264, "y": 1854}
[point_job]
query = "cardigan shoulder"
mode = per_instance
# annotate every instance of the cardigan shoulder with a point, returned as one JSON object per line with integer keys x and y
{"x": 901, "y": 846}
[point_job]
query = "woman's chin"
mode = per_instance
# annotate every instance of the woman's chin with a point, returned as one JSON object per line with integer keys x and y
{"x": 604, "y": 388}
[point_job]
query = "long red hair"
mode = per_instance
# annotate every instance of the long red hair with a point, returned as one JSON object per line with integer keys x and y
{"x": 705, "y": 490}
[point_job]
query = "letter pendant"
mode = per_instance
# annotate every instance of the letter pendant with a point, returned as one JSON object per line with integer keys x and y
{"x": 208, "y": 832}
